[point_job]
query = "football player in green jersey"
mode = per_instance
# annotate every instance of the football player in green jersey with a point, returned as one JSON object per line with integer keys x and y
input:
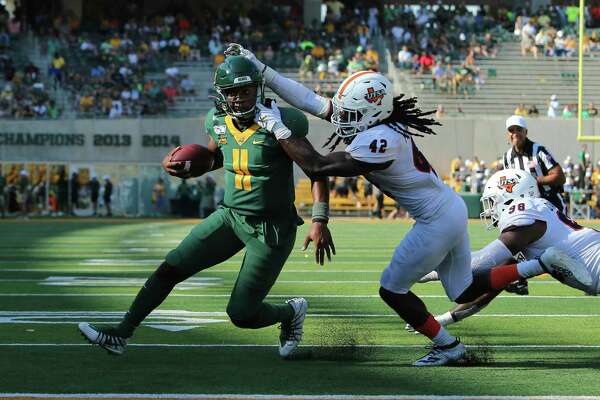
{"x": 258, "y": 214}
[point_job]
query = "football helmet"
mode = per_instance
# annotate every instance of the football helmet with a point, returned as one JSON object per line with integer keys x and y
{"x": 237, "y": 71}
{"x": 503, "y": 188}
{"x": 362, "y": 100}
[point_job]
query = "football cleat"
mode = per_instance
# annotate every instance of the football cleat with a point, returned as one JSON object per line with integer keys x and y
{"x": 291, "y": 332}
{"x": 442, "y": 355}
{"x": 520, "y": 287}
{"x": 564, "y": 268}
{"x": 105, "y": 338}
{"x": 409, "y": 328}
{"x": 431, "y": 276}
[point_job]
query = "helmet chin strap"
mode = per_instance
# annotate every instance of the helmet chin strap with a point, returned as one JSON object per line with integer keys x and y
{"x": 246, "y": 119}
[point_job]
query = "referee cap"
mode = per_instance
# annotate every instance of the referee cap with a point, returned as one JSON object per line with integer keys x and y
{"x": 516, "y": 120}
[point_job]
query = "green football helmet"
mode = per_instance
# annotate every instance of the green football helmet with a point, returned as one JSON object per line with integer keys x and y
{"x": 237, "y": 71}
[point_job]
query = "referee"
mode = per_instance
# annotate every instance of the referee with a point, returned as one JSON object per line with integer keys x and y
{"x": 535, "y": 158}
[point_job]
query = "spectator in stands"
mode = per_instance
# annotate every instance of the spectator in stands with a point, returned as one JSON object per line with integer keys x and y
{"x": 116, "y": 109}
{"x": 184, "y": 199}
{"x": 591, "y": 111}
{"x": 371, "y": 59}
{"x": 86, "y": 103}
{"x": 356, "y": 64}
{"x": 24, "y": 193}
{"x": 570, "y": 46}
{"x": 107, "y": 196}
{"x": 528, "y": 33}
{"x": 159, "y": 197}
{"x": 94, "y": 193}
{"x": 560, "y": 44}
{"x": 553, "y": 107}
{"x": 521, "y": 110}
{"x": 405, "y": 58}
{"x": 187, "y": 85}
{"x": 567, "y": 111}
{"x": 74, "y": 188}
{"x": 533, "y": 111}
{"x": 333, "y": 67}
{"x": 439, "y": 112}
{"x": 57, "y": 68}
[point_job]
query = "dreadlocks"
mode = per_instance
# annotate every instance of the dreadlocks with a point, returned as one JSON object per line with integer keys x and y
{"x": 405, "y": 116}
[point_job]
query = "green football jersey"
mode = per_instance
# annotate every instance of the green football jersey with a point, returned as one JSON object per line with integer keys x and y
{"x": 259, "y": 177}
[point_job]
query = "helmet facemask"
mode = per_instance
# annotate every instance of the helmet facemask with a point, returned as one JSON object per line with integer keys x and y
{"x": 348, "y": 122}
{"x": 493, "y": 205}
{"x": 240, "y": 114}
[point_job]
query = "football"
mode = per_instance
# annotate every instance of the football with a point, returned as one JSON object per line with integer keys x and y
{"x": 198, "y": 159}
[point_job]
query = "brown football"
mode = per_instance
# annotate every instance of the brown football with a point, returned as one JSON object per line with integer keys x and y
{"x": 198, "y": 159}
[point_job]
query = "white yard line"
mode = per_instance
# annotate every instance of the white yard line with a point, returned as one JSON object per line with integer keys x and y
{"x": 229, "y": 396}
{"x": 314, "y": 296}
{"x": 252, "y": 345}
{"x": 72, "y": 317}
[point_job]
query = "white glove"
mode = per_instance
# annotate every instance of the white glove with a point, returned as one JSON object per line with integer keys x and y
{"x": 270, "y": 119}
{"x": 235, "y": 49}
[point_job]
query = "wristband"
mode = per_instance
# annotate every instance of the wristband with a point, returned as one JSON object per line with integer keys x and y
{"x": 320, "y": 212}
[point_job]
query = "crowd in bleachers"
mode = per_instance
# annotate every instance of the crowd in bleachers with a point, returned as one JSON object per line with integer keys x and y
{"x": 442, "y": 43}
{"x": 23, "y": 93}
{"x": 107, "y": 71}
{"x": 552, "y": 30}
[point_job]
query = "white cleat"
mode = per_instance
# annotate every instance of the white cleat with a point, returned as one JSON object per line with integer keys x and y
{"x": 564, "y": 268}
{"x": 409, "y": 328}
{"x": 442, "y": 355}
{"x": 114, "y": 344}
{"x": 291, "y": 332}
{"x": 430, "y": 277}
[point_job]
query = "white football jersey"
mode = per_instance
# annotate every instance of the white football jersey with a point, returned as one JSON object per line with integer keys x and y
{"x": 578, "y": 242}
{"x": 409, "y": 180}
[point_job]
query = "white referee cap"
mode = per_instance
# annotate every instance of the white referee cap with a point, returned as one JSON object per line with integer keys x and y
{"x": 516, "y": 120}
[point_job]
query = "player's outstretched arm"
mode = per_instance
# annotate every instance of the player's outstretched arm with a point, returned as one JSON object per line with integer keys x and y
{"x": 300, "y": 150}
{"x": 319, "y": 232}
{"x": 289, "y": 90}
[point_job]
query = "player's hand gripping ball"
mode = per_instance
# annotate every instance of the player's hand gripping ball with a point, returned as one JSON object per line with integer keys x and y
{"x": 188, "y": 161}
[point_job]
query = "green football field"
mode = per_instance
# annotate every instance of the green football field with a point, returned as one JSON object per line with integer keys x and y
{"x": 55, "y": 274}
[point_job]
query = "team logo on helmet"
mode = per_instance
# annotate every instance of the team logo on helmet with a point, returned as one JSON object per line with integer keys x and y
{"x": 375, "y": 96}
{"x": 507, "y": 184}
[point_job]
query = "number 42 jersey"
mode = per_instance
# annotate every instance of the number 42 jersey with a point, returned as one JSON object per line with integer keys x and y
{"x": 409, "y": 180}
{"x": 579, "y": 242}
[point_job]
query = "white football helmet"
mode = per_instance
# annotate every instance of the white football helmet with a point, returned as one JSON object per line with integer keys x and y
{"x": 501, "y": 189}
{"x": 363, "y": 99}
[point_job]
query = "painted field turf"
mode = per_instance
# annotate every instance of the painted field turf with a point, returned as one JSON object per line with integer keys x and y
{"x": 54, "y": 274}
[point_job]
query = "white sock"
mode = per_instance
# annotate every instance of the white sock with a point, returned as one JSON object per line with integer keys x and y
{"x": 443, "y": 338}
{"x": 445, "y": 319}
{"x": 529, "y": 268}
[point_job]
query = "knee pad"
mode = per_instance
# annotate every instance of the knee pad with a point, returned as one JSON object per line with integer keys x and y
{"x": 169, "y": 274}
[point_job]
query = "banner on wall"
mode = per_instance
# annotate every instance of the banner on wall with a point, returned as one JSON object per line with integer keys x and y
{"x": 126, "y": 140}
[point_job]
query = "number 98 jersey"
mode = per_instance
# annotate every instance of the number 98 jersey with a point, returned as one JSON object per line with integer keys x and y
{"x": 410, "y": 180}
{"x": 579, "y": 242}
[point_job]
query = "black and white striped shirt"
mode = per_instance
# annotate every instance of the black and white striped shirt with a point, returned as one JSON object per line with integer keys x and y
{"x": 536, "y": 159}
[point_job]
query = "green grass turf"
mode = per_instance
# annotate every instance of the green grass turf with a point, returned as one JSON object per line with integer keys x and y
{"x": 346, "y": 332}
